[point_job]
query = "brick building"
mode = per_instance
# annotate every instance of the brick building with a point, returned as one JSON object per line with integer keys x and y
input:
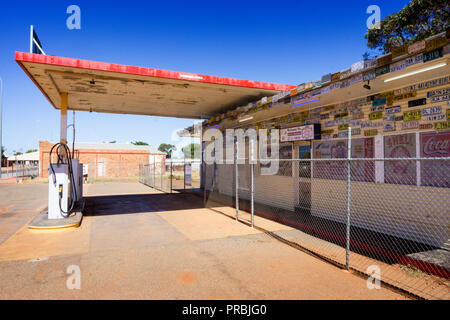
{"x": 105, "y": 160}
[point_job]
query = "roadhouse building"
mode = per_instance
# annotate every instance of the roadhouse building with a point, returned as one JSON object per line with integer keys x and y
{"x": 396, "y": 105}
{"x": 105, "y": 160}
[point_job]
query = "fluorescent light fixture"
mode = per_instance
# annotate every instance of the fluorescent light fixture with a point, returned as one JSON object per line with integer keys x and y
{"x": 442, "y": 64}
{"x": 306, "y": 102}
{"x": 245, "y": 119}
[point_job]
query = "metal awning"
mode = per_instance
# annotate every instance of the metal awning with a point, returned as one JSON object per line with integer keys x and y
{"x": 113, "y": 88}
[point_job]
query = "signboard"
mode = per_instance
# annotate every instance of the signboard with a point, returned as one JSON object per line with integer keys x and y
{"x": 412, "y": 115}
{"x": 440, "y": 98}
{"x": 425, "y": 126}
{"x": 371, "y": 132}
{"x": 341, "y": 115}
{"x": 439, "y": 92}
{"x": 435, "y": 43}
{"x": 382, "y": 70}
{"x": 390, "y": 110}
{"x": 399, "y": 51}
{"x": 378, "y": 102}
{"x": 383, "y": 60}
{"x": 342, "y": 127}
{"x": 309, "y": 132}
{"x": 442, "y": 125}
{"x": 337, "y": 170}
{"x": 398, "y": 66}
{"x": 400, "y": 146}
{"x": 432, "y": 55}
{"x": 85, "y": 169}
{"x": 431, "y": 110}
{"x": 410, "y": 125}
{"x": 408, "y": 95}
{"x": 389, "y": 126}
{"x": 434, "y": 145}
{"x": 418, "y": 58}
{"x": 358, "y": 115}
{"x": 417, "y": 102}
{"x": 436, "y": 117}
{"x": 416, "y": 47}
{"x": 375, "y": 115}
{"x": 356, "y": 131}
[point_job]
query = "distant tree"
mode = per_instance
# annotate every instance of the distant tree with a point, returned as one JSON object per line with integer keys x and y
{"x": 192, "y": 151}
{"x": 17, "y": 153}
{"x": 31, "y": 150}
{"x": 418, "y": 20}
{"x": 140, "y": 143}
{"x": 167, "y": 149}
{"x": 114, "y": 141}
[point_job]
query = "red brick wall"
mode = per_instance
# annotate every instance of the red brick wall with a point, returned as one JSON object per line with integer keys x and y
{"x": 117, "y": 163}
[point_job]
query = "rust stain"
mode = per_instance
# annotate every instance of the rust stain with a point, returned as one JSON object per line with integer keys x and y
{"x": 186, "y": 277}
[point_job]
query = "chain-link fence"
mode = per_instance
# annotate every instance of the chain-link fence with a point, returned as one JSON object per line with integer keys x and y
{"x": 170, "y": 175}
{"x": 386, "y": 217}
{"x": 19, "y": 171}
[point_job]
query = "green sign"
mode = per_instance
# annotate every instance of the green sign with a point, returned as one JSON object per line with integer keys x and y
{"x": 442, "y": 125}
{"x": 432, "y": 55}
{"x": 412, "y": 115}
{"x": 375, "y": 115}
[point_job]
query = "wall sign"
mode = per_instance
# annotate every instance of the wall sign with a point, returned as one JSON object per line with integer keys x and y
{"x": 432, "y": 55}
{"x": 442, "y": 125}
{"x": 431, "y": 83}
{"x": 410, "y": 125}
{"x": 400, "y": 146}
{"x": 425, "y": 126}
{"x": 418, "y": 58}
{"x": 440, "y": 98}
{"x": 342, "y": 127}
{"x": 439, "y": 92}
{"x": 412, "y": 115}
{"x": 389, "y": 118}
{"x": 436, "y": 117}
{"x": 389, "y": 126}
{"x": 397, "y": 66}
{"x": 359, "y": 115}
{"x": 356, "y": 131}
{"x": 408, "y": 95}
{"x": 382, "y": 70}
{"x": 375, "y": 115}
{"x": 416, "y": 47}
{"x": 390, "y": 110}
{"x": 417, "y": 102}
{"x": 341, "y": 115}
{"x": 431, "y": 110}
{"x": 433, "y": 145}
{"x": 376, "y": 109}
{"x": 371, "y": 132}
{"x": 309, "y": 132}
{"x": 399, "y": 118}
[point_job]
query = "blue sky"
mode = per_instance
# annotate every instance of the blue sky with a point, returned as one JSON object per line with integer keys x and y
{"x": 275, "y": 41}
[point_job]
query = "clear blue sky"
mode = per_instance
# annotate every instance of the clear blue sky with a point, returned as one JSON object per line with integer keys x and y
{"x": 275, "y": 41}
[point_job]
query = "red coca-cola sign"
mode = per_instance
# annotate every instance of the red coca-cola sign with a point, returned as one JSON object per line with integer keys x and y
{"x": 435, "y": 173}
{"x": 436, "y": 144}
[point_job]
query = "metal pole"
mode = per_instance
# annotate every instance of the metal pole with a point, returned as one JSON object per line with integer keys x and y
{"x": 237, "y": 180}
{"x": 252, "y": 194}
{"x": 1, "y": 110}
{"x": 171, "y": 176}
{"x": 349, "y": 156}
{"x": 184, "y": 174}
{"x": 161, "y": 173}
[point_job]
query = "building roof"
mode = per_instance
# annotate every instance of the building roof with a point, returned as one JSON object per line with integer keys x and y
{"x": 113, "y": 88}
{"x": 32, "y": 156}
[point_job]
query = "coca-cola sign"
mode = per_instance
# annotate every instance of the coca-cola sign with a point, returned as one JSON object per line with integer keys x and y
{"x": 435, "y": 145}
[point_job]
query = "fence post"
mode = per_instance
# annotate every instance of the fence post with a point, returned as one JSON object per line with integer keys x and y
{"x": 349, "y": 155}
{"x": 171, "y": 175}
{"x": 161, "y": 173}
{"x": 184, "y": 174}
{"x": 237, "y": 180}
{"x": 91, "y": 170}
{"x": 252, "y": 194}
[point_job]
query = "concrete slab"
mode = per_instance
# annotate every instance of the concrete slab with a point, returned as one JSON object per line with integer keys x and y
{"x": 42, "y": 222}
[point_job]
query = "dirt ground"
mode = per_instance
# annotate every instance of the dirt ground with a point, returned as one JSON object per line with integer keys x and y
{"x": 137, "y": 243}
